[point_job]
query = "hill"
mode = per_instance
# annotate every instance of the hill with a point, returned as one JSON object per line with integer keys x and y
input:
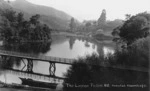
{"x": 4, "y": 5}
{"x": 53, "y": 18}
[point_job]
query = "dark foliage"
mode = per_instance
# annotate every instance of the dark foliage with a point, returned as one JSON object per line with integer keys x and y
{"x": 84, "y": 77}
{"x": 8, "y": 62}
{"x": 72, "y": 24}
{"x": 134, "y": 28}
{"x": 105, "y": 71}
{"x": 14, "y": 28}
{"x": 28, "y": 47}
{"x": 136, "y": 54}
{"x": 102, "y": 19}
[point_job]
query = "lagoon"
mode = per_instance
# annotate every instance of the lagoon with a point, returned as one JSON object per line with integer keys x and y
{"x": 61, "y": 46}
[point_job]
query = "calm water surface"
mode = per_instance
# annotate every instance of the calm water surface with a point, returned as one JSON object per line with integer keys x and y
{"x": 61, "y": 46}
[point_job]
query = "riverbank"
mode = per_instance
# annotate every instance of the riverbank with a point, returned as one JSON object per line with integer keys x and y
{"x": 18, "y": 87}
{"x": 98, "y": 37}
{"x": 68, "y": 34}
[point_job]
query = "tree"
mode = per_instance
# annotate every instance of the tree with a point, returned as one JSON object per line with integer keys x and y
{"x": 20, "y": 18}
{"x": 9, "y": 14}
{"x": 72, "y": 24}
{"x": 14, "y": 28}
{"x": 88, "y": 24}
{"x": 8, "y": 25}
{"x": 102, "y": 19}
{"x": 78, "y": 74}
{"x": 82, "y": 73}
{"x": 34, "y": 19}
{"x": 128, "y": 16}
{"x": 136, "y": 27}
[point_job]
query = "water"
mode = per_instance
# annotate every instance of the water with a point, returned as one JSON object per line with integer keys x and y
{"x": 71, "y": 48}
{"x": 61, "y": 46}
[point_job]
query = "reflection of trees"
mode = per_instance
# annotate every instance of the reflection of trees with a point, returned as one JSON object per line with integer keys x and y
{"x": 71, "y": 42}
{"x": 100, "y": 49}
{"x": 29, "y": 47}
{"x": 8, "y": 62}
{"x": 87, "y": 44}
{"x": 93, "y": 46}
{"x": 95, "y": 43}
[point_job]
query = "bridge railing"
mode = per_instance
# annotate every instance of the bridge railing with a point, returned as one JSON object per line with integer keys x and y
{"x": 17, "y": 53}
{"x": 63, "y": 60}
{"x": 38, "y": 57}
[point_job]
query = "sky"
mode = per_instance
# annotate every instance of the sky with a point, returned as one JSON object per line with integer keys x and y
{"x": 91, "y": 9}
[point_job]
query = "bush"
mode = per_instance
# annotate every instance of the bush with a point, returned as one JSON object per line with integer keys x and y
{"x": 134, "y": 28}
{"x": 82, "y": 73}
{"x": 14, "y": 28}
{"x": 136, "y": 54}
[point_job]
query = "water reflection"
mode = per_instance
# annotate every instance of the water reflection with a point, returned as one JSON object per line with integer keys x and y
{"x": 28, "y": 47}
{"x": 73, "y": 47}
{"x": 65, "y": 47}
{"x": 71, "y": 42}
{"x": 39, "y": 74}
{"x": 87, "y": 44}
{"x": 8, "y": 62}
{"x": 107, "y": 51}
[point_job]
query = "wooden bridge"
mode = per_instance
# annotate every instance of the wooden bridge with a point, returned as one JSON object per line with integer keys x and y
{"x": 37, "y": 57}
{"x": 52, "y": 60}
{"x": 7, "y": 55}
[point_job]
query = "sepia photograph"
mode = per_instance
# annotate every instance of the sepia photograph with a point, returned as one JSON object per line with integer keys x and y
{"x": 74, "y": 45}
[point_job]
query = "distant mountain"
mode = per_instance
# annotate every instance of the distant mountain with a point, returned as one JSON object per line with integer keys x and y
{"x": 53, "y": 18}
{"x": 43, "y": 10}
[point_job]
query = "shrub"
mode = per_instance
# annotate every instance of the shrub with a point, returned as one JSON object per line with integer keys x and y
{"x": 82, "y": 73}
{"x": 136, "y": 54}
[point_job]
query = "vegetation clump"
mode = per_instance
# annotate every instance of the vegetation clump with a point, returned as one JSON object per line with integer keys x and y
{"x": 82, "y": 76}
{"x": 14, "y": 28}
{"x": 135, "y": 27}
